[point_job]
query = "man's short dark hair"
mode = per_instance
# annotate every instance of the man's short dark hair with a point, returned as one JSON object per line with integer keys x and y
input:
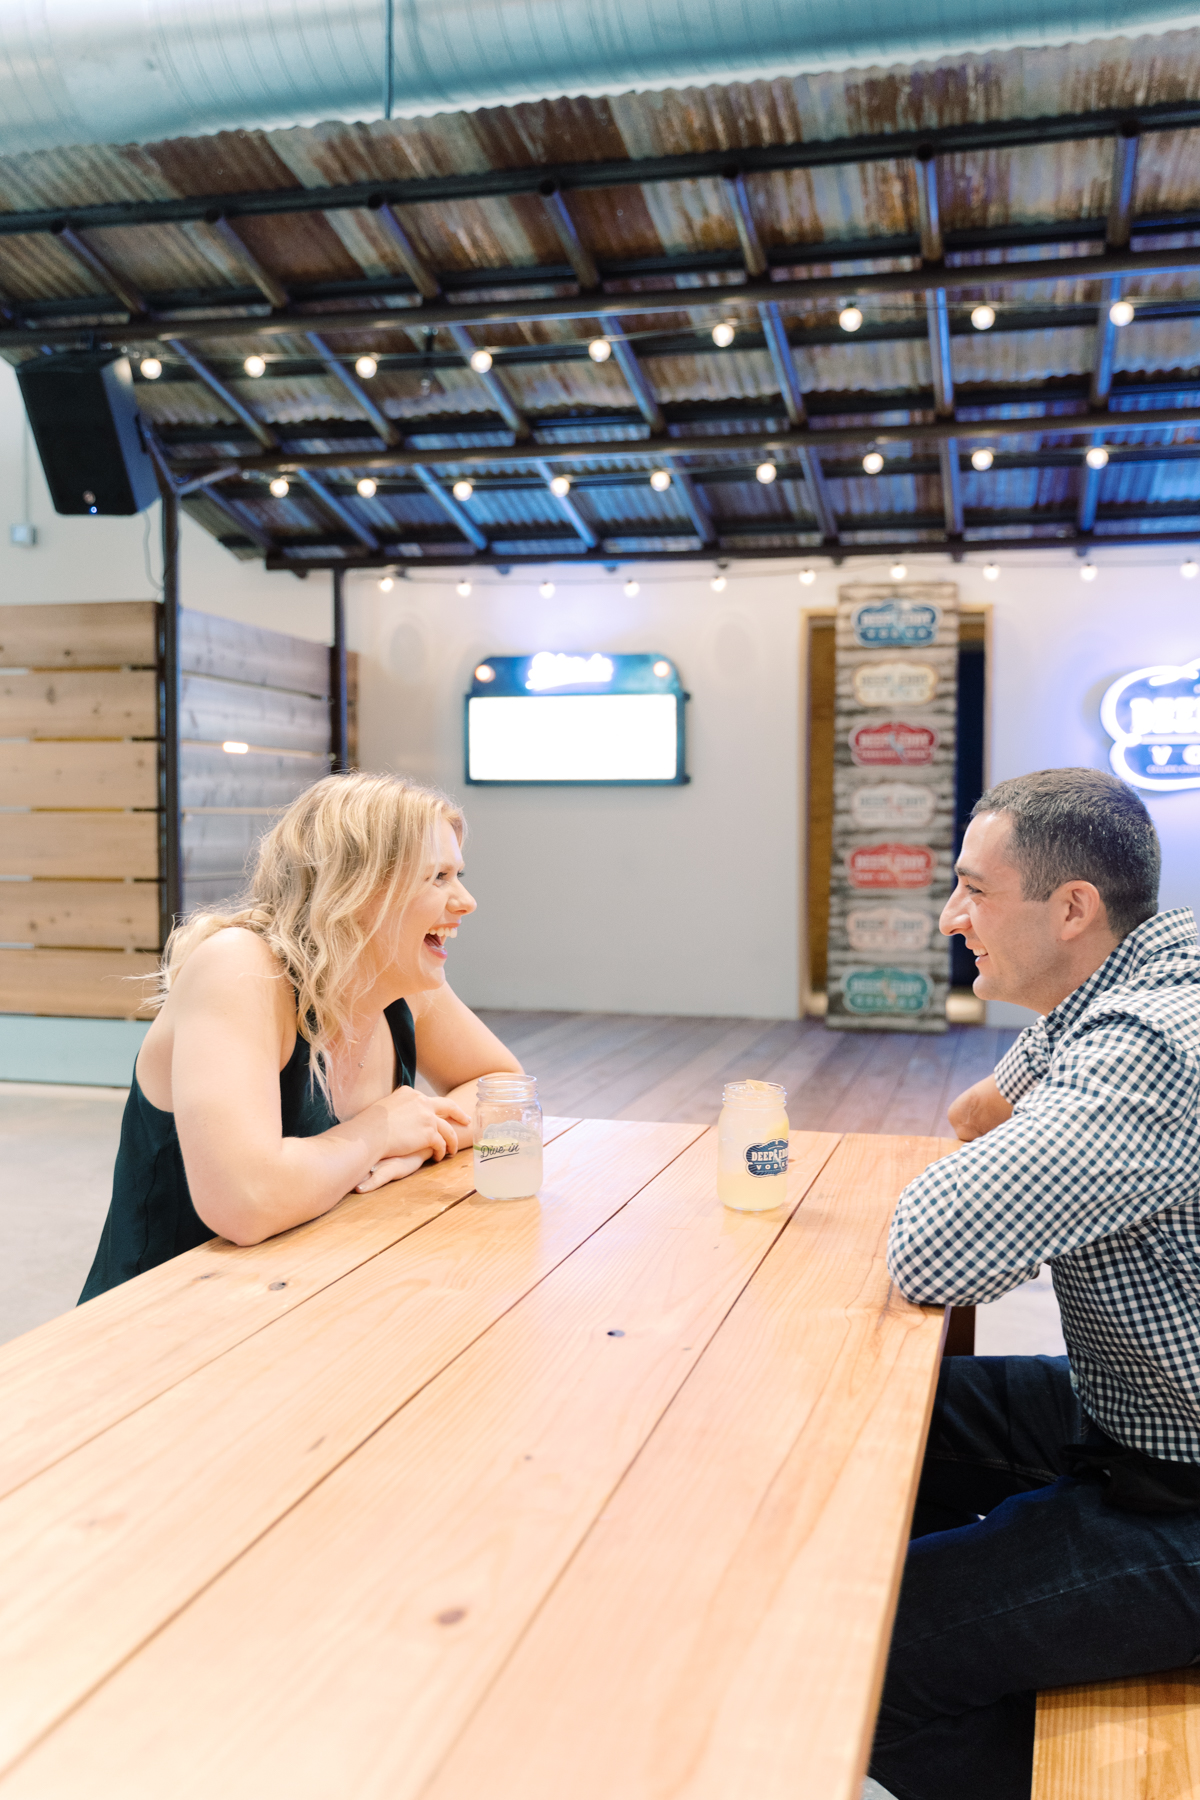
{"x": 1081, "y": 825}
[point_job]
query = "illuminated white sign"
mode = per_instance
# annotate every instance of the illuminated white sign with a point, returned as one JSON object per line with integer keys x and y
{"x": 1153, "y": 718}
{"x": 573, "y": 737}
{"x": 551, "y": 669}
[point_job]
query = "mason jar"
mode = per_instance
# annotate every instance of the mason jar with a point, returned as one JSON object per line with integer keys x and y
{"x": 508, "y": 1137}
{"x": 752, "y": 1146}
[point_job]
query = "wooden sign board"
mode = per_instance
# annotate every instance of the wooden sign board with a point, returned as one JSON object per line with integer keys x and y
{"x": 893, "y": 806}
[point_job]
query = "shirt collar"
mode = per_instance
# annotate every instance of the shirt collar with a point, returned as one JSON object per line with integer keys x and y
{"x": 1165, "y": 931}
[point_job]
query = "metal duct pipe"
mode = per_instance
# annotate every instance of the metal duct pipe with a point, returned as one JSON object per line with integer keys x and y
{"x": 73, "y": 72}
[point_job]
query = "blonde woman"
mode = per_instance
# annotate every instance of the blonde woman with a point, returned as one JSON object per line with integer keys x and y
{"x": 278, "y": 1074}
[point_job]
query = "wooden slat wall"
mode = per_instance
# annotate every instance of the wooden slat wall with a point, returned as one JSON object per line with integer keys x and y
{"x": 79, "y": 688}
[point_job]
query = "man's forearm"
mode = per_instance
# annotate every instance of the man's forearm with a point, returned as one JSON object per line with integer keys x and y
{"x": 978, "y": 1109}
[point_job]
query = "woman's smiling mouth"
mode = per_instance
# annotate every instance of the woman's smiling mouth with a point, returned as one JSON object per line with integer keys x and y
{"x": 435, "y": 940}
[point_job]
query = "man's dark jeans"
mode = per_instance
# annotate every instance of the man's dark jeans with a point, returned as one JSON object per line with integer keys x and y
{"x": 1053, "y": 1586}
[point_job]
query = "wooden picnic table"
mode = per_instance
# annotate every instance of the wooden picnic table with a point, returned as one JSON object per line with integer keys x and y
{"x": 603, "y": 1494}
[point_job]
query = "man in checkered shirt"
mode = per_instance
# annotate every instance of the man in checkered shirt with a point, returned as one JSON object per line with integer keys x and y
{"x": 1057, "y": 1530}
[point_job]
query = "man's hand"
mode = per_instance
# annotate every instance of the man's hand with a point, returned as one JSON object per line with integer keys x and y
{"x": 978, "y": 1110}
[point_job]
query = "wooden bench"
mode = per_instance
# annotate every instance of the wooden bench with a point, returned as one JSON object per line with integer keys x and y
{"x": 1120, "y": 1740}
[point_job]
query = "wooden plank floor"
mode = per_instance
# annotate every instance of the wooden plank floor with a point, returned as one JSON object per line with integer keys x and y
{"x": 644, "y": 1066}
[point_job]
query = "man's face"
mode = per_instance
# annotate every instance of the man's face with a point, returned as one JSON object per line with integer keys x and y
{"x": 1016, "y": 942}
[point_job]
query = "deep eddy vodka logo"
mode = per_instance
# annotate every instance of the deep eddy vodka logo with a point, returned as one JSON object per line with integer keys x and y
{"x": 1153, "y": 718}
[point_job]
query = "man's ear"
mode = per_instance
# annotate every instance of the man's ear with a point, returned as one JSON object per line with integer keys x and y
{"x": 1082, "y": 908}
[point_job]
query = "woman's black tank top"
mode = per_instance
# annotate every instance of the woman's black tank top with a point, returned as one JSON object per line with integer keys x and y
{"x": 151, "y": 1217}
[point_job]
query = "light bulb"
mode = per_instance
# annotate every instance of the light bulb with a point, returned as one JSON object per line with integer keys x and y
{"x": 766, "y": 473}
{"x": 481, "y": 361}
{"x": 807, "y": 577}
{"x": 386, "y": 584}
{"x": 717, "y": 584}
{"x": 662, "y": 669}
{"x": 872, "y": 462}
{"x": 850, "y": 318}
{"x": 1189, "y": 569}
{"x": 1088, "y": 572}
{"x": 547, "y": 590}
{"x": 232, "y": 747}
{"x": 366, "y": 366}
{"x": 255, "y": 366}
{"x": 151, "y": 368}
{"x": 983, "y": 317}
{"x": 991, "y": 571}
{"x": 279, "y": 486}
{"x": 462, "y": 589}
{"x": 599, "y": 350}
{"x": 898, "y": 571}
{"x": 660, "y": 480}
{"x": 485, "y": 672}
{"x": 463, "y": 490}
{"x": 982, "y": 459}
{"x": 632, "y": 588}
{"x": 1097, "y": 457}
{"x": 368, "y": 488}
{"x": 722, "y": 334}
{"x": 560, "y": 486}
{"x": 1121, "y": 312}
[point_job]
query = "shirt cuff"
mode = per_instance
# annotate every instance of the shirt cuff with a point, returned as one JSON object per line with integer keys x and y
{"x": 1022, "y": 1067}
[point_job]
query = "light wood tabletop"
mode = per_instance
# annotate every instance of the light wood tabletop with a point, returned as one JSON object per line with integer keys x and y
{"x": 601, "y": 1494}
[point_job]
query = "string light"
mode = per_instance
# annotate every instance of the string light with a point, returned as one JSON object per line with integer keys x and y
{"x": 983, "y": 317}
{"x": 718, "y": 584}
{"x": 898, "y": 571}
{"x": 151, "y": 368}
{"x": 462, "y": 490}
{"x": 462, "y": 589}
{"x": 366, "y": 366}
{"x": 1189, "y": 569}
{"x": 481, "y": 361}
{"x": 722, "y": 334}
{"x": 807, "y": 577}
{"x": 232, "y": 747}
{"x": 485, "y": 672}
{"x": 1121, "y": 312}
{"x": 766, "y": 472}
{"x": 662, "y": 670}
{"x": 255, "y": 366}
{"x": 982, "y": 459}
{"x": 386, "y": 583}
{"x": 850, "y": 318}
{"x": 991, "y": 571}
{"x": 279, "y": 487}
{"x": 1088, "y": 572}
{"x": 1097, "y": 457}
{"x": 660, "y": 480}
{"x": 368, "y": 488}
{"x": 631, "y": 589}
{"x": 547, "y": 590}
{"x": 599, "y": 350}
{"x": 560, "y": 486}
{"x": 872, "y": 462}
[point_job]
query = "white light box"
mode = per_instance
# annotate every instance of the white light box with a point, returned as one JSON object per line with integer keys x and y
{"x": 556, "y": 719}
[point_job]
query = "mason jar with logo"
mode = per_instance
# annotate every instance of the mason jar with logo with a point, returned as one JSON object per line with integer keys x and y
{"x": 508, "y": 1137}
{"x": 752, "y": 1146}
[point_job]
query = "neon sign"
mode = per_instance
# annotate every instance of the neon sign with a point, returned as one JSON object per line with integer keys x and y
{"x": 551, "y": 669}
{"x": 1153, "y": 718}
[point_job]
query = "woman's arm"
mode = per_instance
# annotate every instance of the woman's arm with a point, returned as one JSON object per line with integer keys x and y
{"x": 229, "y": 1010}
{"x": 454, "y": 1049}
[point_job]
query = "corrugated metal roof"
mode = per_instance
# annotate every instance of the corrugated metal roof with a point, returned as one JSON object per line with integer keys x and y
{"x": 347, "y": 256}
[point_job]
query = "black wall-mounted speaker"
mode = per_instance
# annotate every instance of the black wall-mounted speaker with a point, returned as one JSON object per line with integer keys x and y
{"x": 84, "y": 418}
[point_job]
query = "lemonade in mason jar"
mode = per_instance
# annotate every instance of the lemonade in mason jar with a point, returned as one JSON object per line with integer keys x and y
{"x": 508, "y": 1137}
{"x": 752, "y": 1146}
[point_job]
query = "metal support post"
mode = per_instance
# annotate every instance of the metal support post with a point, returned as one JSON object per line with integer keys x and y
{"x": 339, "y": 712}
{"x": 170, "y": 834}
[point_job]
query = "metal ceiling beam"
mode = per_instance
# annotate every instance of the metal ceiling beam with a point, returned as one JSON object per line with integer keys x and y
{"x": 793, "y": 399}
{"x": 338, "y": 510}
{"x": 1120, "y": 216}
{"x": 411, "y": 260}
{"x": 354, "y": 387}
{"x": 451, "y": 507}
{"x": 224, "y": 394}
{"x": 937, "y": 325}
{"x": 267, "y": 284}
{"x": 753, "y": 254}
{"x": 830, "y": 437}
{"x": 583, "y": 530}
{"x": 109, "y": 278}
{"x": 574, "y": 248}
{"x": 503, "y": 401}
{"x": 636, "y": 378}
{"x": 646, "y": 303}
{"x": 236, "y": 513}
{"x": 694, "y": 500}
{"x": 884, "y": 146}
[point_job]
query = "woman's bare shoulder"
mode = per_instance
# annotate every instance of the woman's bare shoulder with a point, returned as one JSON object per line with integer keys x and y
{"x": 234, "y": 958}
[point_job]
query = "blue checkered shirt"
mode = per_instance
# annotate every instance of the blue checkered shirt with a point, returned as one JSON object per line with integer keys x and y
{"x": 1098, "y": 1174}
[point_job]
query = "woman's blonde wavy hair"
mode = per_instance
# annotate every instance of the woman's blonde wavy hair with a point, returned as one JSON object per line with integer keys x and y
{"x": 344, "y": 842}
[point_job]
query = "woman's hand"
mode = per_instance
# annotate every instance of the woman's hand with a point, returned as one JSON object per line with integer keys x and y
{"x": 418, "y": 1127}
